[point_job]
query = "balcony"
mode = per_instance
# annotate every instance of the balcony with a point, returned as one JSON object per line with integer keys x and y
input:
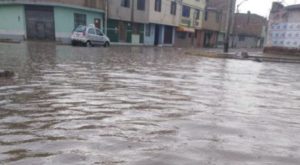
{"x": 186, "y": 22}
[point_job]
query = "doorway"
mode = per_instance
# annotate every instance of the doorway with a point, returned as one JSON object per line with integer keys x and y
{"x": 156, "y": 36}
{"x": 207, "y": 39}
{"x": 122, "y": 32}
{"x": 168, "y": 39}
{"x": 39, "y": 22}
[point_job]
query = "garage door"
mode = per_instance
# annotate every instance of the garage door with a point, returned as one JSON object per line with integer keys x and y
{"x": 40, "y": 22}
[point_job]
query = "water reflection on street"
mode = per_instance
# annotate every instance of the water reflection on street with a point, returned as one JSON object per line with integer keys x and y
{"x": 145, "y": 106}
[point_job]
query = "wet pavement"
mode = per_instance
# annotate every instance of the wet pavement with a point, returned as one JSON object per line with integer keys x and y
{"x": 145, "y": 106}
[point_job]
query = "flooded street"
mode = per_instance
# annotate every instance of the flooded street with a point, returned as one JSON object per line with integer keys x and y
{"x": 145, "y": 106}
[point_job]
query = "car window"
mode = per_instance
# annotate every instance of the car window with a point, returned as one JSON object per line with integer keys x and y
{"x": 80, "y": 29}
{"x": 99, "y": 32}
{"x": 91, "y": 31}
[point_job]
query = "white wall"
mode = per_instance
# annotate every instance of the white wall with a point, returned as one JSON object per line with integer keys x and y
{"x": 149, "y": 40}
{"x": 284, "y": 35}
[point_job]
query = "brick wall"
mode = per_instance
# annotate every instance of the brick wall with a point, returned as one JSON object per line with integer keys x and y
{"x": 249, "y": 24}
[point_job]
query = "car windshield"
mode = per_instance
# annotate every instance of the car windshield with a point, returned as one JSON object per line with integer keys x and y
{"x": 80, "y": 29}
{"x": 99, "y": 32}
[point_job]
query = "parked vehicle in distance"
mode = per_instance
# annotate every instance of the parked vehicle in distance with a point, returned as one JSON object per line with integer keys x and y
{"x": 89, "y": 36}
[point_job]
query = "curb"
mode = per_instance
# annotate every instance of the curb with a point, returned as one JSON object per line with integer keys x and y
{"x": 249, "y": 57}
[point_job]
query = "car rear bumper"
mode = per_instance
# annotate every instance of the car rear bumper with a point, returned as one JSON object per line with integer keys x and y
{"x": 77, "y": 42}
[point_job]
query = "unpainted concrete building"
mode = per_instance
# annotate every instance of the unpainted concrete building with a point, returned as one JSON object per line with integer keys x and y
{"x": 249, "y": 31}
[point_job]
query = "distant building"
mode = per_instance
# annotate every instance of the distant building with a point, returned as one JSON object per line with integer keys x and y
{"x": 212, "y": 23}
{"x": 249, "y": 31}
{"x": 147, "y": 22}
{"x": 283, "y": 29}
{"x": 47, "y": 19}
{"x": 191, "y": 15}
{"x": 219, "y": 9}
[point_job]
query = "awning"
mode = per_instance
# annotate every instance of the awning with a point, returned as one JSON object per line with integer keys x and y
{"x": 185, "y": 29}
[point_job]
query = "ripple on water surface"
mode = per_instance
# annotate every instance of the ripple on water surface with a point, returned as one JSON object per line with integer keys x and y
{"x": 145, "y": 106}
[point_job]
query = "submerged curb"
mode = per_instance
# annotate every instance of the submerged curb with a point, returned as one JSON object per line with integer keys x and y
{"x": 244, "y": 56}
{"x": 6, "y": 74}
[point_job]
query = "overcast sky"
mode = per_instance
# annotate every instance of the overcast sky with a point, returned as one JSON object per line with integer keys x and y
{"x": 261, "y": 7}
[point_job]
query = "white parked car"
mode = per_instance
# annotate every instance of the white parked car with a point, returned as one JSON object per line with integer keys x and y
{"x": 89, "y": 36}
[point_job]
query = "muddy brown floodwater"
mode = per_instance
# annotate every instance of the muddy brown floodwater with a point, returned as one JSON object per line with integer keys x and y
{"x": 145, "y": 106}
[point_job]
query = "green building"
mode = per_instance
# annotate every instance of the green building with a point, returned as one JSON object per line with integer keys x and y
{"x": 21, "y": 20}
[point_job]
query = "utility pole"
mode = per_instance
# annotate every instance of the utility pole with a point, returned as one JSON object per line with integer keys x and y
{"x": 106, "y": 16}
{"x": 132, "y": 12}
{"x": 229, "y": 21}
{"x": 239, "y": 5}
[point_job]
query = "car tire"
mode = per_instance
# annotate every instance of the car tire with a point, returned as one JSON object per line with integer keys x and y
{"x": 106, "y": 44}
{"x": 73, "y": 43}
{"x": 88, "y": 44}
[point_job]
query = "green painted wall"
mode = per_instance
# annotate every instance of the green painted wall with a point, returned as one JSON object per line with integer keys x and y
{"x": 113, "y": 33}
{"x": 12, "y": 18}
{"x": 64, "y": 18}
{"x": 142, "y": 30}
{"x": 129, "y": 32}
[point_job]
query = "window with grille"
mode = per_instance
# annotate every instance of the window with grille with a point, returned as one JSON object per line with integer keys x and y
{"x": 79, "y": 19}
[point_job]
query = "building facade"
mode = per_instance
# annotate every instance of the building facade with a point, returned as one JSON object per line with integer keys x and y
{"x": 126, "y": 22}
{"x": 284, "y": 29}
{"x": 221, "y": 7}
{"x": 147, "y": 22}
{"x": 248, "y": 31}
{"x": 191, "y": 16}
{"x": 163, "y": 18}
{"x": 208, "y": 35}
{"x": 47, "y": 19}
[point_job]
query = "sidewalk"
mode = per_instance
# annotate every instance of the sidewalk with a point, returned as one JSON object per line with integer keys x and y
{"x": 251, "y": 54}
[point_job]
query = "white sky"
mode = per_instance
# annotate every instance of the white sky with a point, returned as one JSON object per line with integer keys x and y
{"x": 261, "y": 7}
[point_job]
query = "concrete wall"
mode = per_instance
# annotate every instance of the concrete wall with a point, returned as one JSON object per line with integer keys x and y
{"x": 248, "y": 42}
{"x": 118, "y": 12}
{"x": 64, "y": 21}
{"x": 213, "y": 21}
{"x": 12, "y": 26}
{"x": 164, "y": 17}
{"x": 149, "y": 15}
{"x": 187, "y": 41}
{"x": 194, "y": 4}
{"x": 221, "y": 6}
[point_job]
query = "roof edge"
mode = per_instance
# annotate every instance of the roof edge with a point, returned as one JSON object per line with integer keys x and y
{"x": 53, "y": 4}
